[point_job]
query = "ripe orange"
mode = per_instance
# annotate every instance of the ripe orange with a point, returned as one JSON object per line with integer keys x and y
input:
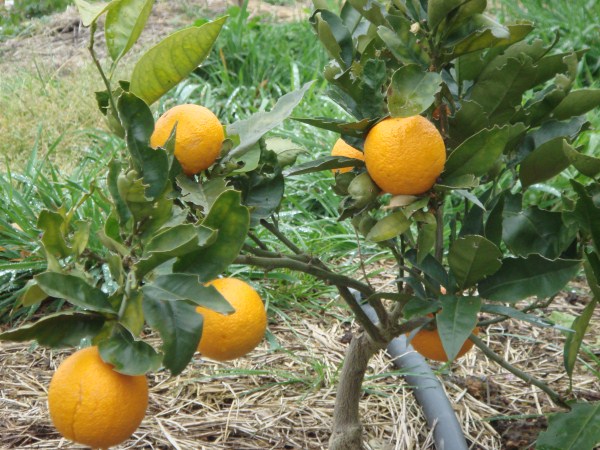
{"x": 198, "y": 139}
{"x": 429, "y": 344}
{"x": 226, "y": 337}
{"x": 94, "y": 405}
{"x": 340, "y": 148}
{"x": 405, "y": 156}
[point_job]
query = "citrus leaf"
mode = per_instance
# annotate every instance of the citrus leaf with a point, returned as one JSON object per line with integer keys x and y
{"x": 186, "y": 287}
{"x": 255, "y": 127}
{"x": 489, "y": 35}
{"x": 507, "y": 311}
{"x": 334, "y": 35}
{"x": 389, "y": 227}
{"x": 546, "y": 161}
{"x": 231, "y": 220}
{"x": 75, "y": 290}
{"x": 412, "y": 90}
{"x": 64, "y": 329}
{"x": 152, "y": 164}
{"x": 128, "y": 356}
{"x": 519, "y": 278}
{"x": 354, "y": 129}
{"x": 54, "y": 228}
{"x": 180, "y": 328}
{"x": 264, "y": 195}
{"x": 587, "y": 214}
{"x": 576, "y": 103}
{"x": 472, "y": 258}
{"x": 437, "y": 10}
{"x": 133, "y": 316}
{"x": 371, "y": 10}
{"x": 578, "y": 429}
{"x": 456, "y": 322}
{"x": 124, "y": 23}
{"x": 172, "y": 60}
{"x": 123, "y": 213}
{"x": 32, "y": 294}
{"x": 90, "y": 12}
{"x": 325, "y": 163}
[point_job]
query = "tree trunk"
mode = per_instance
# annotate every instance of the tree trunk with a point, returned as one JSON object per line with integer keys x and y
{"x": 347, "y": 428}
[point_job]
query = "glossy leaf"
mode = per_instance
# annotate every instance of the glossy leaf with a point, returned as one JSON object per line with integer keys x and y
{"x": 324, "y": 163}
{"x": 490, "y": 36}
{"x": 545, "y": 162}
{"x": 576, "y": 103}
{"x": 231, "y": 220}
{"x": 587, "y": 214}
{"x": 334, "y": 35}
{"x": 373, "y": 11}
{"x": 438, "y": 10}
{"x": 472, "y": 258}
{"x": 151, "y": 164}
{"x": 74, "y": 290}
{"x": 412, "y": 90}
{"x": 519, "y": 278}
{"x": 456, "y": 321}
{"x": 185, "y": 287}
{"x": 172, "y": 60}
{"x": 180, "y": 328}
{"x": 264, "y": 195}
{"x": 64, "y": 329}
{"x": 133, "y": 316}
{"x": 90, "y": 12}
{"x": 125, "y": 21}
{"x": 389, "y": 227}
{"x": 354, "y": 129}
{"x": 128, "y": 356}
{"x": 578, "y": 429}
{"x": 252, "y": 129}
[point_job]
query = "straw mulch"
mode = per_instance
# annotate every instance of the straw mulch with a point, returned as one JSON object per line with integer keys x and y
{"x": 282, "y": 395}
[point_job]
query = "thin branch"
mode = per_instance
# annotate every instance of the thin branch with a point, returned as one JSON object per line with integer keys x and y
{"x": 257, "y": 241}
{"x": 99, "y": 67}
{"x": 554, "y": 396}
{"x": 274, "y": 229}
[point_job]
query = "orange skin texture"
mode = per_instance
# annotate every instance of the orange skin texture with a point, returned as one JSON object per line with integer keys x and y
{"x": 227, "y": 337}
{"x": 429, "y": 344}
{"x": 341, "y": 148}
{"x": 405, "y": 156}
{"x": 94, "y": 405}
{"x": 198, "y": 139}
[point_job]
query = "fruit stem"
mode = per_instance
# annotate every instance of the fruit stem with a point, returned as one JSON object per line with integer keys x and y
{"x": 554, "y": 396}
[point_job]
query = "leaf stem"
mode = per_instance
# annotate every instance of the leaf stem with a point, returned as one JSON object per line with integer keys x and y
{"x": 111, "y": 100}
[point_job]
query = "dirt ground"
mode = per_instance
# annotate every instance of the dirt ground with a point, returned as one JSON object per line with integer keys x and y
{"x": 281, "y": 396}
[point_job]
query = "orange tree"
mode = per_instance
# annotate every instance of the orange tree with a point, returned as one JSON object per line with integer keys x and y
{"x": 481, "y": 117}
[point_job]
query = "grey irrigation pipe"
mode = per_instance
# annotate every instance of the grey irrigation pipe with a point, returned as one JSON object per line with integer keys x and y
{"x": 427, "y": 389}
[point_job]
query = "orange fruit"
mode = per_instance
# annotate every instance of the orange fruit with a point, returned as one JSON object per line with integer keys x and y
{"x": 405, "y": 156}
{"x": 94, "y": 405}
{"x": 341, "y": 148}
{"x": 429, "y": 344}
{"x": 226, "y": 337}
{"x": 198, "y": 139}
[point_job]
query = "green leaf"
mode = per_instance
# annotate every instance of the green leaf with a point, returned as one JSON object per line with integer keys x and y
{"x": 286, "y": 150}
{"x": 90, "y": 12}
{"x": 354, "y": 129}
{"x": 171, "y": 243}
{"x": 180, "y": 328}
{"x": 587, "y": 214}
{"x": 472, "y": 258}
{"x": 172, "y": 60}
{"x": 437, "y": 10}
{"x": 133, "y": 316}
{"x": 128, "y": 356}
{"x": 186, "y": 287}
{"x": 533, "y": 230}
{"x": 152, "y": 164}
{"x": 479, "y": 153}
{"x": 507, "y": 311}
{"x": 64, "y": 329}
{"x": 519, "y": 278}
{"x": 578, "y": 429}
{"x": 412, "y": 90}
{"x": 456, "y": 322}
{"x": 123, "y": 213}
{"x": 32, "y": 294}
{"x": 231, "y": 220}
{"x": 76, "y": 291}
{"x": 576, "y": 103}
{"x": 489, "y": 35}
{"x": 389, "y": 227}
{"x": 80, "y": 237}
{"x": 426, "y": 240}
{"x": 545, "y": 162}
{"x": 324, "y": 163}
{"x": 264, "y": 195}
{"x": 334, "y": 35}
{"x": 203, "y": 195}
{"x": 373, "y": 11}
{"x": 54, "y": 229}
{"x": 124, "y": 24}
{"x": 252, "y": 129}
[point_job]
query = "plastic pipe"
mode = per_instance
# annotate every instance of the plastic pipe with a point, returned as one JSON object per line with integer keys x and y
{"x": 427, "y": 389}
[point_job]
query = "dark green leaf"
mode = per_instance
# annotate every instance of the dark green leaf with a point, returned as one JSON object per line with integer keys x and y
{"x": 133, "y": 316}
{"x": 325, "y": 163}
{"x": 519, "y": 278}
{"x": 489, "y": 35}
{"x": 587, "y": 214}
{"x": 74, "y": 290}
{"x": 334, "y": 36}
{"x": 186, "y": 287}
{"x": 389, "y": 227}
{"x": 426, "y": 240}
{"x": 412, "y": 90}
{"x": 546, "y": 161}
{"x": 124, "y": 24}
{"x": 252, "y": 129}
{"x": 231, "y": 220}
{"x": 438, "y": 10}
{"x": 152, "y": 164}
{"x": 355, "y": 129}
{"x": 264, "y": 196}
{"x": 456, "y": 322}
{"x": 577, "y": 103}
{"x": 472, "y": 258}
{"x": 373, "y": 11}
{"x": 65, "y": 329}
{"x": 578, "y": 429}
{"x": 180, "y": 328}
{"x": 128, "y": 356}
{"x": 172, "y": 60}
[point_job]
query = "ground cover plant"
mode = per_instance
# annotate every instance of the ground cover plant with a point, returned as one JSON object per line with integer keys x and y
{"x": 462, "y": 240}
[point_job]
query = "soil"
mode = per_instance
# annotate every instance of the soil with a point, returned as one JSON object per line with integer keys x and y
{"x": 281, "y": 396}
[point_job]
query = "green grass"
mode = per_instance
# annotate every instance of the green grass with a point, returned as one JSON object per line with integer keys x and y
{"x": 14, "y": 21}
